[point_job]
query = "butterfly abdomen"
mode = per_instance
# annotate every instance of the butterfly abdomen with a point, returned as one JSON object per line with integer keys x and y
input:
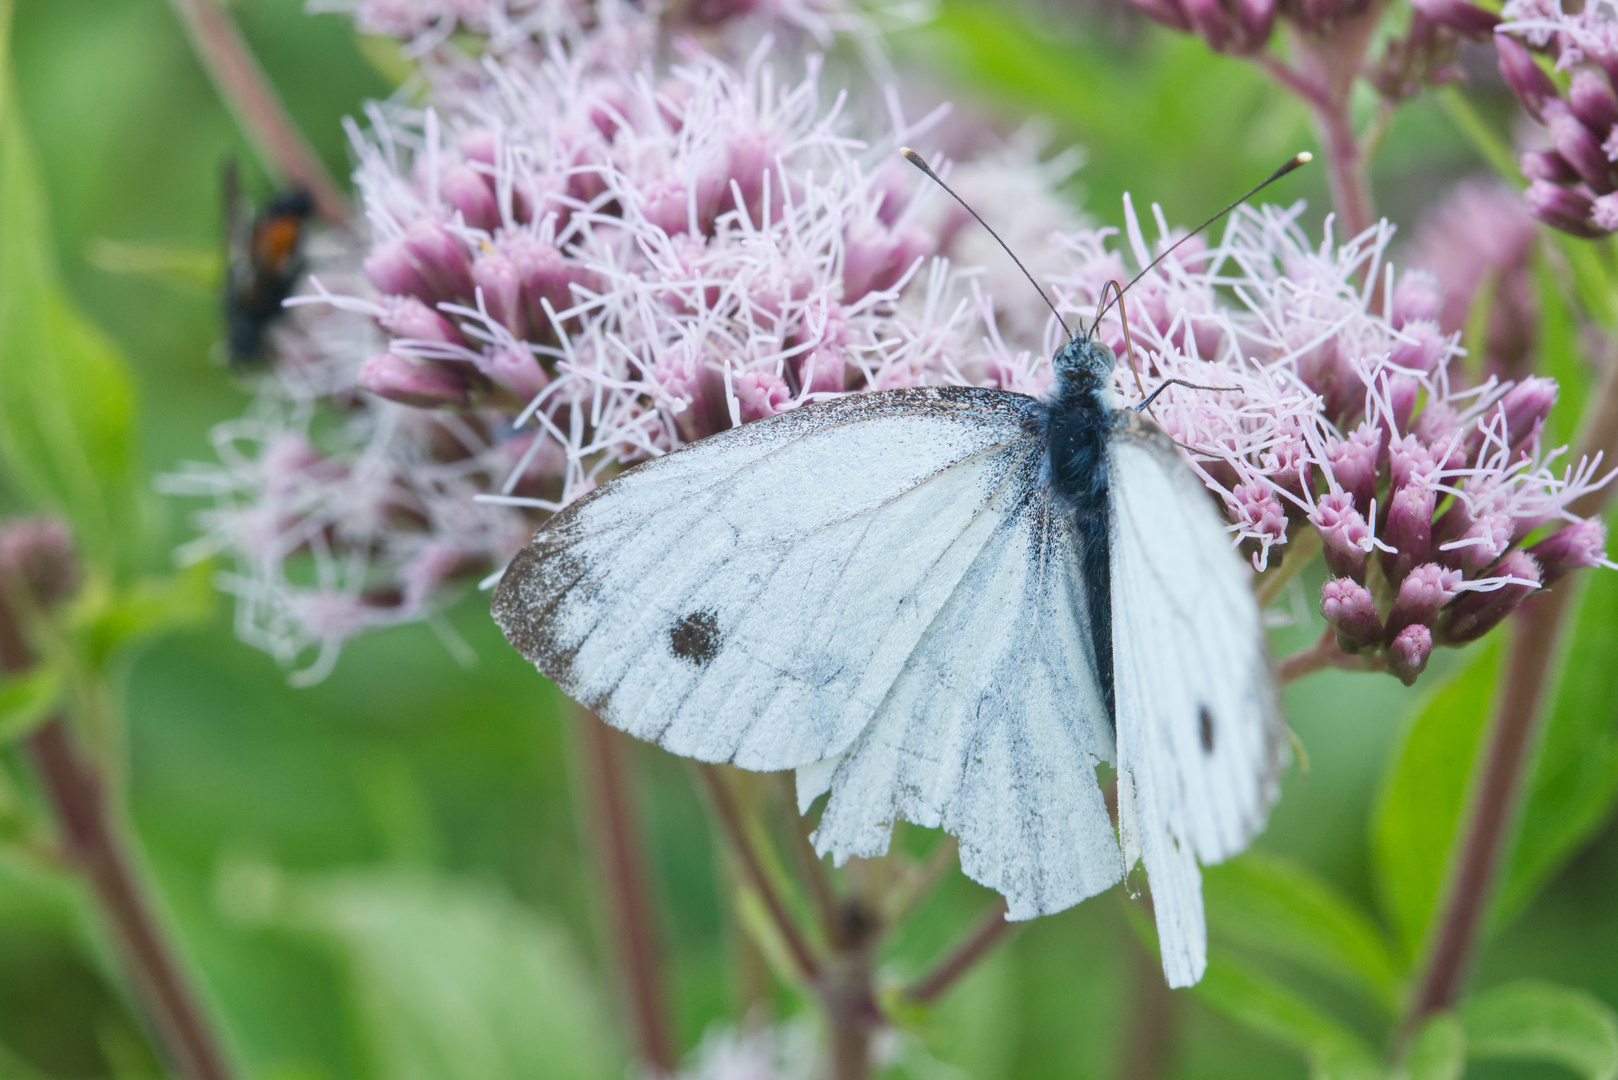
{"x": 1077, "y": 426}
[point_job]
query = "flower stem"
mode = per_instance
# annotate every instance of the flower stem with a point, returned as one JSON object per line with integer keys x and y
{"x": 752, "y": 865}
{"x": 1521, "y": 704}
{"x": 1323, "y": 654}
{"x": 1149, "y": 1041}
{"x": 990, "y": 929}
{"x": 623, "y": 866}
{"x": 95, "y": 846}
{"x": 247, "y": 91}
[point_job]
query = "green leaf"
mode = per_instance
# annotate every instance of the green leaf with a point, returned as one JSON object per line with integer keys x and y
{"x": 67, "y": 399}
{"x": 1438, "y": 1051}
{"x": 457, "y": 982}
{"x": 27, "y": 699}
{"x": 1574, "y": 776}
{"x": 1277, "y": 906}
{"x": 1423, "y": 792}
{"x": 108, "y": 620}
{"x": 1270, "y": 1009}
{"x": 1559, "y": 350}
{"x": 1540, "y": 1021}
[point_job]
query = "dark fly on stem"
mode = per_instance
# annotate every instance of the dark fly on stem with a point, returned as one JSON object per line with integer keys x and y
{"x": 263, "y": 257}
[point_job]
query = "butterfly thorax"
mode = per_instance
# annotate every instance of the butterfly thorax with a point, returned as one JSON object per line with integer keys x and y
{"x": 1078, "y": 414}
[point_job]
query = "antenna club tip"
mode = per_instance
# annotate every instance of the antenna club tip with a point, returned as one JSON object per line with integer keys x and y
{"x": 911, "y": 156}
{"x": 1304, "y": 157}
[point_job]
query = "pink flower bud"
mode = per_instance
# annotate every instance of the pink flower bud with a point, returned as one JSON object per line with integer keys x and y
{"x": 545, "y": 277}
{"x": 1525, "y": 77}
{"x": 1547, "y": 165}
{"x": 424, "y": 385}
{"x": 1407, "y": 655}
{"x": 1467, "y": 20}
{"x": 1486, "y": 536}
{"x": 1403, "y": 392}
{"x": 393, "y": 271}
{"x": 1351, "y": 610}
{"x": 1425, "y": 346}
{"x": 1344, "y": 534}
{"x": 1418, "y": 296}
{"x": 1353, "y": 463}
{"x": 823, "y": 371}
{"x": 874, "y": 258}
{"x": 1562, "y": 208}
{"x": 1256, "y": 509}
{"x": 1578, "y": 145}
{"x": 1574, "y": 546}
{"x": 468, "y": 191}
{"x": 1424, "y": 592}
{"x": 1592, "y": 101}
{"x": 1409, "y": 459}
{"x": 442, "y": 260}
{"x": 1409, "y": 529}
{"x": 1525, "y": 407}
{"x": 761, "y": 394}
{"x": 518, "y": 371}
{"x": 37, "y": 560}
{"x": 480, "y": 145}
{"x": 496, "y": 276}
{"x": 1475, "y": 613}
{"x": 407, "y": 317}
{"x": 1604, "y": 212}
{"x": 1256, "y": 19}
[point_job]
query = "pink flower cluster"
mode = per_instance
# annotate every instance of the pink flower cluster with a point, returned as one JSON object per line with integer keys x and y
{"x": 1573, "y": 186}
{"x": 1348, "y": 416}
{"x": 580, "y": 256}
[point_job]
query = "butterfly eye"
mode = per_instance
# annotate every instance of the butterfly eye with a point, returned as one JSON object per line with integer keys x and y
{"x": 1205, "y": 723}
{"x": 696, "y": 638}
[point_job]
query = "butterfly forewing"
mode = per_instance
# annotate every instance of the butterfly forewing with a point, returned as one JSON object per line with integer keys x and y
{"x": 753, "y": 597}
{"x": 1200, "y": 736}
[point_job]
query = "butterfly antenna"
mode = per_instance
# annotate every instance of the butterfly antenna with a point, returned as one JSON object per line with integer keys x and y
{"x": 1296, "y": 161}
{"x": 916, "y": 160}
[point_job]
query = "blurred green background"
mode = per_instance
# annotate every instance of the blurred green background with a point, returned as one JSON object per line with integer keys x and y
{"x": 384, "y": 876}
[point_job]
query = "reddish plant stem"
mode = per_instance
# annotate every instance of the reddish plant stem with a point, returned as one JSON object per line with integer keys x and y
{"x": 247, "y": 91}
{"x": 752, "y": 866}
{"x": 990, "y": 929}
{"x": 1325, "y": 653}
{"x": 829, "y": 908}
{"x": 1519, "y": 711}
{"x": 1149, "y": 1038}
{"x": 93, "y": 845}
{"x": 1350, "y": 189}
{"x": 623, "y": 869}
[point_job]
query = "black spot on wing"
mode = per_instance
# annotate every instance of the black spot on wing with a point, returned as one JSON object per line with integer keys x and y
{"x": 696, "y": 637}
{"x": 1205, "y": 722}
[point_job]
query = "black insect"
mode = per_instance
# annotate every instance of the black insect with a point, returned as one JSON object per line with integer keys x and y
{"x": 264, "y": 256}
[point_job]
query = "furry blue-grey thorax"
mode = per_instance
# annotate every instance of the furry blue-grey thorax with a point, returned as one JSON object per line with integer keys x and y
{"x": 1078, "y": 415}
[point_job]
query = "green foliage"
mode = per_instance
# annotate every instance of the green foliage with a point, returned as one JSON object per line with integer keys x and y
{"x": 27, "y": 699}
{"x": 67, "y": 400}
{"x": 455, "y": 981}
{"x": 1278, "y": 906}
{"x": 1438, "y": 1052}
{"x": 1540, "y": 1021}
{"x": 1422, "y": 796}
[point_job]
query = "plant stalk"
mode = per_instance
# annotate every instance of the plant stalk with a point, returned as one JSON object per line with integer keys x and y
{"x": 992, "y": 927}
{"x": 1538, "y": 629}
{"x": 247, "y": 91}
{"x": 623, "y": 868}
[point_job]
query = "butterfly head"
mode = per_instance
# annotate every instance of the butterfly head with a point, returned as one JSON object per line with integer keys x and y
{"x": 1083, "y": 365}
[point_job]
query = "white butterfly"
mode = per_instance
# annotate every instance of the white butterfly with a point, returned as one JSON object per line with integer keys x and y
{"x": 947, "y": 605}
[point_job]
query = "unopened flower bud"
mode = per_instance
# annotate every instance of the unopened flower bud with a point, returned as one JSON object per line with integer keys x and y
{"x": 1467, "y": 20}
{"x": 1423, "y": 346}
{"x": 1574, "y": 546}
{"x": 1409, "y": 459}
{"x": 393, "y": 271}
{"x": 1547, "y": 165}
{"x": 1422, "y": 595}
{"x": 1351, "y": 610}
{"x": 761, "y": 394}
{"x": 1409, "y": 529}
{"x": 1475, "y": 613}
{"x": 38, "y": 560}
{"x": 1591, "y": 98}
{"x": 468, "y": 191}
{"x": 1353, "y": 463}
{"x": 517, "y": 371}
{"x": 1343, "y": 533}
{"x": 1562, "y": 208}
{"x": 1579, "y": 145}
{"x": 875, "y": 257}
{"x": 424, "y": 385}
{"x": 1167, "y": 12}
{"x": 1417, "y": 296}
{"x": 407, "y": 317}
{"x": 442, "y": 260}
{"x": 1525, "y": 407}
{"x": 1407, "y": 655}
{"x": 496, "y": 276}
{"x": 1525, "y": 77}
{"x": 1259, "y": 512}
{"x": 1604, "y": 212}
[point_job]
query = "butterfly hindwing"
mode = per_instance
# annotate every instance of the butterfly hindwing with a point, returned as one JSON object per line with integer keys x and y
{"x": 994, "y": 728}
{"x": 1200, "y": 736}
{"x": 753, "y": 597}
